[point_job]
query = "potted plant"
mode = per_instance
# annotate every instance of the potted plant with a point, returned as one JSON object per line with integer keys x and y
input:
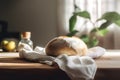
{"x": 91, "y": 39}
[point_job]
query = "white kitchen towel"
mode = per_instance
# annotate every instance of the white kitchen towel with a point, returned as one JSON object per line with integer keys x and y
{"x": 96, "y": 52}
{"x": 77, "y": 67}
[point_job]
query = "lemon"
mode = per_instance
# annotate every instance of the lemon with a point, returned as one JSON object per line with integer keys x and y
{"x": 11, "y": 45}
{"x": 4, "y": 42}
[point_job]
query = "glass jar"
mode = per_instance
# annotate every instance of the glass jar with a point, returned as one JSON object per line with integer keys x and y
{"x": 25, "y": 39}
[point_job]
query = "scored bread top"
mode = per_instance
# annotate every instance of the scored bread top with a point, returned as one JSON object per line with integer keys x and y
{"x": 66, "y": 45}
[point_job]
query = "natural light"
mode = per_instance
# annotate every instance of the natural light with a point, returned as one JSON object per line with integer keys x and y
{"x": 96, "y": 8}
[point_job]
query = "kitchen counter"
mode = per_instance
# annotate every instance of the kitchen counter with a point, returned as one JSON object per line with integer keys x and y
{"x": 12, "y": 67}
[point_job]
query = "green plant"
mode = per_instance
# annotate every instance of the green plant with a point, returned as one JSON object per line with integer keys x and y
{"x": 91, "y": 38}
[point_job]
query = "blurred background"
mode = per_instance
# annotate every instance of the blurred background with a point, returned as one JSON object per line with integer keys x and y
{"x": 46, "y": 19}
{"x": 37, "y": 16}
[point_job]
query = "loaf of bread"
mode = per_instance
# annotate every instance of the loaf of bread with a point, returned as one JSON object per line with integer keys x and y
{"x": 66, "y": 45}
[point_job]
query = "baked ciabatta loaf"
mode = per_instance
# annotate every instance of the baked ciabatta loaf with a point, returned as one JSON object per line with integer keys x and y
{"x": 66, "y": 45}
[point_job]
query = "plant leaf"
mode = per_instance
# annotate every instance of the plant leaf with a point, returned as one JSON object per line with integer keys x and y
{"x": 102, "y": 32}
{"x": 85, "y": 38}
{"x": 105, "y": 25}
{"x": 93, "y": 42}
{"x": 72, "y": 22}
{"x": 84, "y": 14}
{"x": 110, "y": 16}
{"x": 72, "y": 33}
{"x": 117, "y": 22}
{"x": 93, "y": 30}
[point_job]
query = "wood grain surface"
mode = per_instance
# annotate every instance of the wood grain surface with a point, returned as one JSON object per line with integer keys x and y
{"x": 12, "y": 67}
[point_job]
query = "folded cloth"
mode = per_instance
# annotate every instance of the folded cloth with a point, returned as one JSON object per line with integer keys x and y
{"x": 96, "y": 52}
{"x": 77, "y": 67}
{"x": 37, "y": 54}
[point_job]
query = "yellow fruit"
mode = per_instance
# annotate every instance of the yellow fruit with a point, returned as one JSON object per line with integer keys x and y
{"x": 4, "y": 42}
{"x": 11, "y": 45}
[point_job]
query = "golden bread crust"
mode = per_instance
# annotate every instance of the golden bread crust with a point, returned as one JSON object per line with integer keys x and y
{"x": 66, "y": 45}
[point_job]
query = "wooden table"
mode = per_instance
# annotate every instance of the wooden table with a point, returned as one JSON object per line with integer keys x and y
{"x": 13, "y": 68}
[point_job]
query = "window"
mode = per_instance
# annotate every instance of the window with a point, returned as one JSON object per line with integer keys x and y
{"x": 96, "y": 9}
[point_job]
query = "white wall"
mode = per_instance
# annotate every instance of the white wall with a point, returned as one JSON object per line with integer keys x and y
{"x": 37, "y": 16}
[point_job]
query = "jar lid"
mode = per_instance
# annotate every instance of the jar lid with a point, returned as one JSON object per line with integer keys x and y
{"x": 26, "y": 34}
